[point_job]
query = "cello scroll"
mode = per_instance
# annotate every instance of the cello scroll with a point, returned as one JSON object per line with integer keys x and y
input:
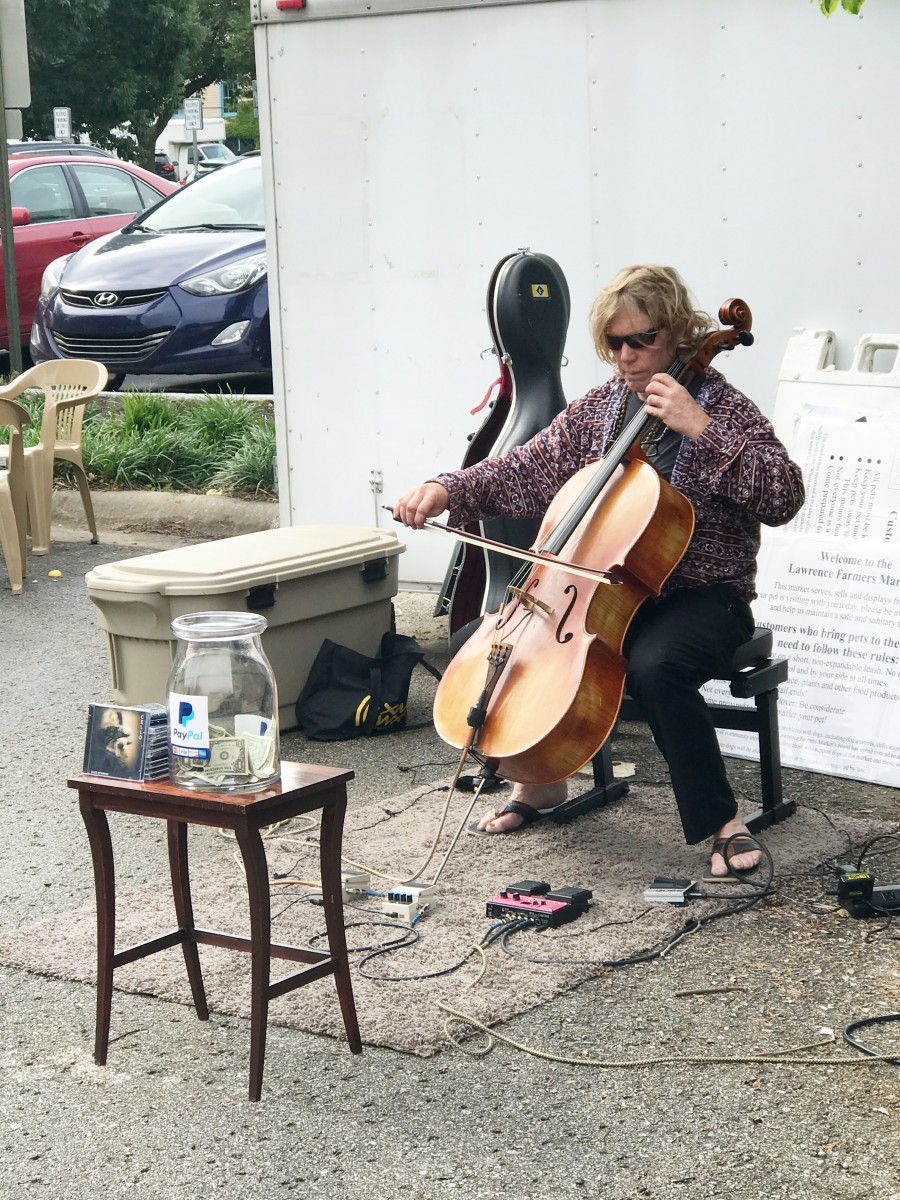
{"x": 736, "y": 315}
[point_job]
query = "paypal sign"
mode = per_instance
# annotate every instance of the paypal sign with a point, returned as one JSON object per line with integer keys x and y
{"x": 189, "y": 726}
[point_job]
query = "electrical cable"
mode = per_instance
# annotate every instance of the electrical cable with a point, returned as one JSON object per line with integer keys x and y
{"x": 402, "y": 944}
{"x": 660, "y": 950}
{"x": 414, "y": 768}
{"x": 443, "y": 818}
{"x": 852, "y": 1041}
{"x": 761, "y": 889}
{"x": 411, "y": 978}
{"x": 747, "y": 900}
{"x": 409, "y": 938}
{"x": 773, "y": 1058}
{"x": 881, "y": 837}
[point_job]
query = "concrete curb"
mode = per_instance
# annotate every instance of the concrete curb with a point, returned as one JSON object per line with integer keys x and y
{"x": 186, "y": 513}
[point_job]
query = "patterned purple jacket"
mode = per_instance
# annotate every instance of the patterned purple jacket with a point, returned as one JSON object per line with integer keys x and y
{"x": 736, "y": 474}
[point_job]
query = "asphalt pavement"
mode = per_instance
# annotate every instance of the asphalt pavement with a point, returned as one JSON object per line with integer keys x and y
{"x": 168, "y": 1117}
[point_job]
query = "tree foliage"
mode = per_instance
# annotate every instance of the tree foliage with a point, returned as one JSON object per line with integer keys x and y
{"x": 831, "y": 6}
{"x": 125, "y": 68}
{"x": 243, "y": 124}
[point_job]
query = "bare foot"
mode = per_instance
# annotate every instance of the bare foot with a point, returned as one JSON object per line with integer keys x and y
{"x": 536, "y": 796}
{"x": 746, "y": 860}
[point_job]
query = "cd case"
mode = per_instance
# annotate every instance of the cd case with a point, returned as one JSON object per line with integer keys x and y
{"x": 127, "y": 742}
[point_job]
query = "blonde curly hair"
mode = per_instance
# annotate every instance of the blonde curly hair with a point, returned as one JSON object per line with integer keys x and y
{"x": 661, "y": 293}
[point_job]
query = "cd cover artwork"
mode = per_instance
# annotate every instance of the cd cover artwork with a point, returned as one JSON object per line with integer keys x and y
{"x": 126, "y": 742}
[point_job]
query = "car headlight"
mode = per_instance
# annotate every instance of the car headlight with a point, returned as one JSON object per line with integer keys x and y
{"x": 52, "y": 276}
{"x": 236, "y": 277}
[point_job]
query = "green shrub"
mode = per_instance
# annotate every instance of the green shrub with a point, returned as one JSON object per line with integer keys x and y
{"x": 145, "y": 411}
{"x": 33, "y": 403}
{"x": 222, "y": 442}
{"x": 252, "y": 467}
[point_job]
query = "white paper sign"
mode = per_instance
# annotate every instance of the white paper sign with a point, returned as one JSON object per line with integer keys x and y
{"x": 851, "y": 469}
{"x": 829, "y": 587}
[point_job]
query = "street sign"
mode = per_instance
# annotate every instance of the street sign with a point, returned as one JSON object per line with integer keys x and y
{"x": 62, "y": 124}
{"x": 14, "y": 124}
{"x": 16, "y": 91}
{"x": 193, "y": 113}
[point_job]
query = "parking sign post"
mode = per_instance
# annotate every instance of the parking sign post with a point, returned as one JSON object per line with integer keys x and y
{"x": 62, "y": 124}
{"x": 193, "y": 120}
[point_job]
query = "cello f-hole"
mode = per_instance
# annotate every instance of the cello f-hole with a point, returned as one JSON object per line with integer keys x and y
{"x": 573, "y": 590}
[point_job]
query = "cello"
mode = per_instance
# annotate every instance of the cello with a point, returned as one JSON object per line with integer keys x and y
{"x": 535, "y": 691}
{"x": 528, "y": 311}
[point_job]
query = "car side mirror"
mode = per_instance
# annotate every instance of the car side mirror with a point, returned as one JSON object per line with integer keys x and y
{"x": 21, "y": 216}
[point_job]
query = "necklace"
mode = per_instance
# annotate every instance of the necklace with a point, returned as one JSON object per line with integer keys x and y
{"x": 651, "y": 436}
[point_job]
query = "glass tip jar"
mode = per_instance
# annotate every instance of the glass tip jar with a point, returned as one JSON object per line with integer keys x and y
{"x": 223, "y": 704}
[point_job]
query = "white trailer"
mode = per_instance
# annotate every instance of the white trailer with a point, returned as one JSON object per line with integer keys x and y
{"x": 409, "y": 145}
{"x": 178, "y": 142}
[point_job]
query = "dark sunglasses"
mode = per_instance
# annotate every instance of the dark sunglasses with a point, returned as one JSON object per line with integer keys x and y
{"x": 637, "y": 341}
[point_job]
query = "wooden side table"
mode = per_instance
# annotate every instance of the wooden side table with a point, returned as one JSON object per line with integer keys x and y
{"x": 302, "y": 789}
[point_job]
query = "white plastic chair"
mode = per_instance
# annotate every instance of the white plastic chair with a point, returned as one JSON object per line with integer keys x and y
{"x": 12, "y": 494}
{"x": 67, "y": 384}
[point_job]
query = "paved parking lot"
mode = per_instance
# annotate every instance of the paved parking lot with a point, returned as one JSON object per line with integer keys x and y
{"x": 168, "y": 1117}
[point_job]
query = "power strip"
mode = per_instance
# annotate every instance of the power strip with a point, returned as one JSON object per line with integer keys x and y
{"x": 406, "y": 901}
{"x": 884, "y": 901}
{"x": 861, "y": 897}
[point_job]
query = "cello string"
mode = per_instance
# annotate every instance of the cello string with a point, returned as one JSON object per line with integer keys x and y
{"x": 638, "y": 428}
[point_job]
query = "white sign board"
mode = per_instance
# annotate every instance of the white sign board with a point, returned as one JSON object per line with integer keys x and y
{"x": 829, "y": 587}
{"x": 193, "y": 113}
{"x": 836, "y": 615}
{"x": 62, "y": 123}
{"x": 14, "y": 54}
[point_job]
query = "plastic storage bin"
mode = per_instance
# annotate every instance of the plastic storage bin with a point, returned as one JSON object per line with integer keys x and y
{"x": 310, "y": 582}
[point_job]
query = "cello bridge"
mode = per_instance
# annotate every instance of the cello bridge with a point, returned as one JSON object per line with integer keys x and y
{"x": 530, "y": 601}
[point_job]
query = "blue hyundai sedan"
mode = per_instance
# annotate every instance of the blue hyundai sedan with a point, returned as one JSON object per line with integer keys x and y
{"x": 182, "y": 290}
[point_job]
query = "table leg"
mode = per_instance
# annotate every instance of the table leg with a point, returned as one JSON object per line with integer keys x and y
{"x": 184, "y": 911}
{"x": 97, "y": 828}
{"x": 331, "y": 834}
{"x": 257, "y": 872}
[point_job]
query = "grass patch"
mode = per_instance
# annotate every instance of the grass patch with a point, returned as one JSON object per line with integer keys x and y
{"x": 221, "y": 442}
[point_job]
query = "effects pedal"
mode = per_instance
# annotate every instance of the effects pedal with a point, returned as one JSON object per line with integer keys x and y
{"x": 406, "y": 901}
{"x": 543, "y": 907}
{"x": 354, "y": 885}
{"x": 668, "y": 891}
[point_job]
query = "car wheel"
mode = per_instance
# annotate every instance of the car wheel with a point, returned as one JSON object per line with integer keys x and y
{"x": 114, "y": 383}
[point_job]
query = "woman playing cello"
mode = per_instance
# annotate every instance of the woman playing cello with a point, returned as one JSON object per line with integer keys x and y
{"x": 716, "y": 448}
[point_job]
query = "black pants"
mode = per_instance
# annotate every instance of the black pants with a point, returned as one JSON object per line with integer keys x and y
{"x": 674, "y": 645}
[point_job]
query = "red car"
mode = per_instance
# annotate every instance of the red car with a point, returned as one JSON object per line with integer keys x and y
{"x": 59, "y": 204}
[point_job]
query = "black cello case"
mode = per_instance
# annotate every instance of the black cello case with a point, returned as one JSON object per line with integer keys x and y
{"x": 528, "y": 311}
